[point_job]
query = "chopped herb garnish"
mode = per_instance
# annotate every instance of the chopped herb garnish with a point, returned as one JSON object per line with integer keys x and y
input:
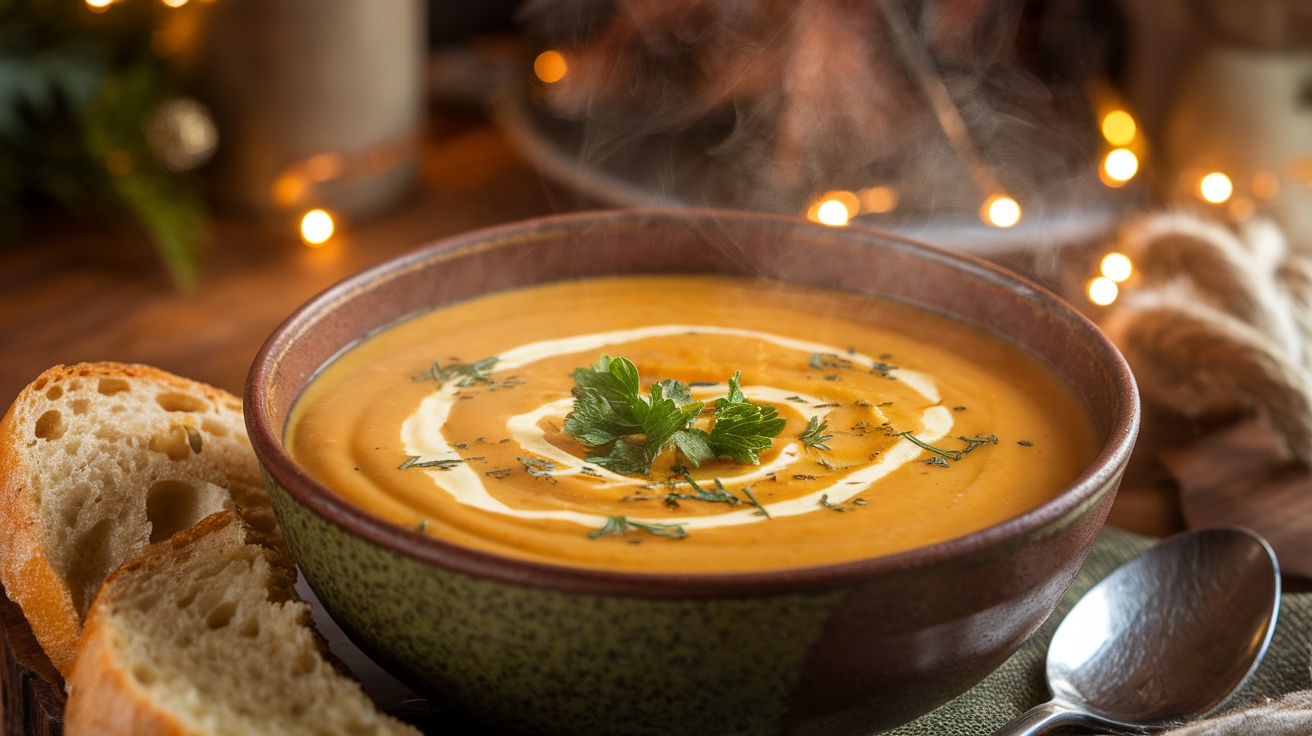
{"x": 977, "y": 440}
{"x": 949, "y": 454}
{"x": 958, "y": 408}
{"x": 796, "y": 399}
{"x": 1025, "y": 443}
{"x": 824, "y": 501}
{"x": 823, "y": 361}
{"x": 859, "y": 502}
{"x": 468, "y": 373}
{"x": 423, "y": 524}
{"x": 619, "y": 526}
{"x": 539, "y": 468}
{"x": 499, "y": 473}
{"x": 944, "y": 455}
{"x": 813, "y": 436}
{"x": 414, "y": 462}
{"x": 883, "y": 369}
{"x": 751, "y": 497}
{"x": 610, "y": 411}
{"x": 719, "y": 495}
{"x": 803, "y": 476}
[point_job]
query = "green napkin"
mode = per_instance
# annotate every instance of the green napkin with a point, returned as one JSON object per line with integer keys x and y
{"x": 1019, "y": 683}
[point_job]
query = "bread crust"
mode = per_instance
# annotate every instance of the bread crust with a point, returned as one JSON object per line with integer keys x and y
{"x": 108, "y": 697}
{"x": 26, "y": 569}
{"x": 103, "y": 695}
{"x": 107, "y": 701}
{"x": 29, "y": 579}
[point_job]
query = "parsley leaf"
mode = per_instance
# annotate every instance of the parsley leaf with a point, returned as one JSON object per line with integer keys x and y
{"x": 610, "y": 410}
{"x": 743, "y": 429}
{"x": 814, "y": 436}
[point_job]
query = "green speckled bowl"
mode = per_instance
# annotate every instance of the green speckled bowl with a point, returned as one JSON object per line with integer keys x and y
{"x": 849, "y": 648}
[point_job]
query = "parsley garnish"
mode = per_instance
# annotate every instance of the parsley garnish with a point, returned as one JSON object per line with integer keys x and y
{"x": 825, "y": 502}
{"x": 813, "y": 435}
{"x": 619, "y": 526}
{"x": 945, "y": 455}
{"x": 539, "y": 468}
{"x": 610, "y": 411}
{"x": 469, "y": 373}
{"x": 822, "y": 361}
{"x": 413, "y": 462}
{"x": 719, "y": 495}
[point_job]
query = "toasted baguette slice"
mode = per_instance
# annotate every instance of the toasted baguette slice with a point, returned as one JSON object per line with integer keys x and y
{"x": 96, "y": 461}
{"x": 204, "y": 634}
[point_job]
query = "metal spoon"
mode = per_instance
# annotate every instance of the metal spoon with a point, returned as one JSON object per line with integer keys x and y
{"x": 1164, "y": 638}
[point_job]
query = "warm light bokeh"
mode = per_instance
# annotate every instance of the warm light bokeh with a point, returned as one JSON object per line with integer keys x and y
{"x": 833, "y": 213}
{"x": 1118, "y": 127}
{"x": 550, "y": 66}
{"x": 98, "y": 6}
{"x": 316, "y": 227}
{"x": 1116, "y": 266}
{"x": 1215, "y": 187}
{"x": 1265, "y": 185}
{"x": 1120, "y": 165}
{"x": 1001, "y": 211}
{"x": 1103, "y": 291}
{"x": 835, "y": 208}
{"x": 878, "y": 199}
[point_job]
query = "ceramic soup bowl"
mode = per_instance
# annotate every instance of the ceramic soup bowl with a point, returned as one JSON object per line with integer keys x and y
{"x": 842, "y": 648}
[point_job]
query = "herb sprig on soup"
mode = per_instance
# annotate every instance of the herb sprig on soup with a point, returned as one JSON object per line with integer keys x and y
{"x": 689, "y": 423}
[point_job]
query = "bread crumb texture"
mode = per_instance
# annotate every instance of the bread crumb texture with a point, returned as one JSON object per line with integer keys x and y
{"x": 118, "y": 456}
{"x": 208, "y": 633}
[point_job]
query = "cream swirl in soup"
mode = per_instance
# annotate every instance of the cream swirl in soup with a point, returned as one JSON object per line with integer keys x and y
{"x": 900, "y": 428}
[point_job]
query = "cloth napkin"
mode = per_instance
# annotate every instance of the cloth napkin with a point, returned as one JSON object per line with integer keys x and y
{"x": 1276, "y": 701}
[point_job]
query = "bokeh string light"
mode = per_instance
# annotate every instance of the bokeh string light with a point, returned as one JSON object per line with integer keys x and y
{"x": 1215, "y": 188}
{"x": 316, "y": 227}
{"x": 550, "y": 66}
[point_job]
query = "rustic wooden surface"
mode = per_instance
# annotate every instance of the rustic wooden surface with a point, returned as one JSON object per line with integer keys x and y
{"x": 31, "y": 691}
{"x": 77, "y": 290}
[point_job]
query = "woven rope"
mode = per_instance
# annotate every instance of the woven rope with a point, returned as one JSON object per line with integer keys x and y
{"x": 1219, "y": 322}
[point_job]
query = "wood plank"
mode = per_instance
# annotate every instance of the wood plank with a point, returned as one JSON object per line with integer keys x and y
{"x": 33, "y": 691}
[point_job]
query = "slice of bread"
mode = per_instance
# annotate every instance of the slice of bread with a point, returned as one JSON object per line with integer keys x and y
{"x": 96, "y": 461}
{"x": 204, "y": 634}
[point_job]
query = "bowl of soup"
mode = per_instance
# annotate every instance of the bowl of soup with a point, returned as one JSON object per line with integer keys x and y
{"x": 679, "y": 471}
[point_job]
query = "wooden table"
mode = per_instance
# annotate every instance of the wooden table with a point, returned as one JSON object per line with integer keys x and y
{"x": 74, "y": 291}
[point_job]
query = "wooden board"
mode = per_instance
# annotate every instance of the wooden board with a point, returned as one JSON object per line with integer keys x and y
{"x": 1240, "y": 476}
{"x": 33, "y": 691}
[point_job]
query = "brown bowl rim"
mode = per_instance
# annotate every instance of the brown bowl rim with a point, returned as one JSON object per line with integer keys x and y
{"x": 1101, "y": 476}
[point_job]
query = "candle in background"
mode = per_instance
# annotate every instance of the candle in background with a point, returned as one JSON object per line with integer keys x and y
{"x": 1236, "y": 137}
{"x": 318, "y": 103}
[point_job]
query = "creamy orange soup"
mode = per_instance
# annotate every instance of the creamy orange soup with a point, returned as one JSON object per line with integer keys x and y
{"x": 452, "y": 423}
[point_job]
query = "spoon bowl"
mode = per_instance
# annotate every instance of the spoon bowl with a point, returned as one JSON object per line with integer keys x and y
{"x": 1166, "y": 637}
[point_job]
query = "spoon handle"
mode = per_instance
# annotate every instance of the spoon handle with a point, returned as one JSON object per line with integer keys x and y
{"x": 1041, "y": 718}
